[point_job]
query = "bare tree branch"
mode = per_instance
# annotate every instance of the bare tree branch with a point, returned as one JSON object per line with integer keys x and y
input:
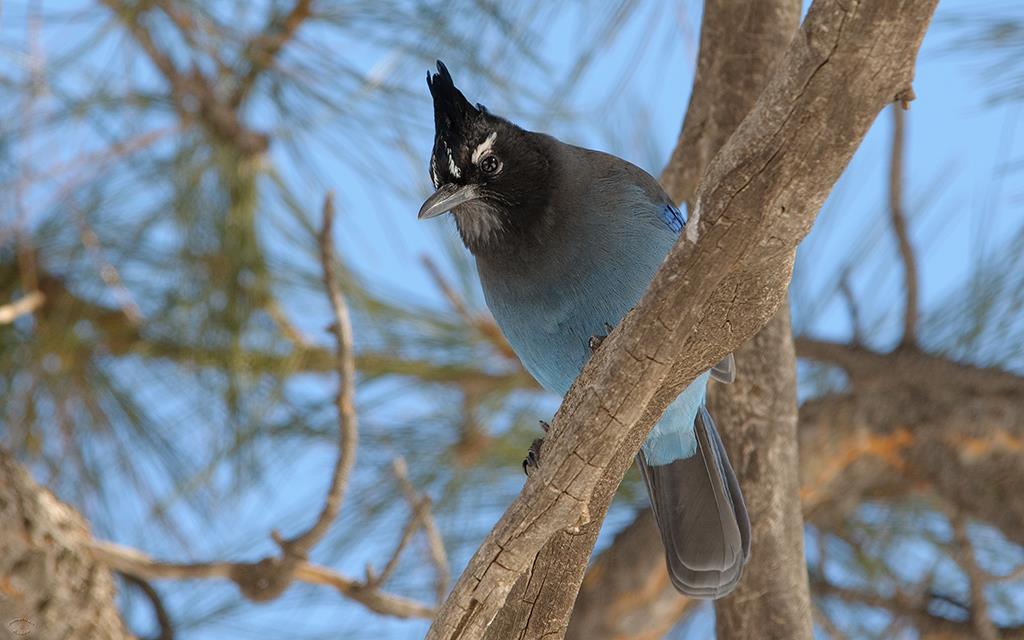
{"x": 107, "y": 271}
{"x": 964, "y": 554}
{"x": 373, "y": 579}
{"x": 163, "y": 619}
{"x": 914, "y": 607}
{"x": 759, "y": 198}
{"x": 133, "y": 562}
{"x": 857, "y": 337}
{"x": 264, "y": 48}
{"x": 758, "y": 418}
{"x": 21, "y": 307}
{"x": 435, "y": 542}
{"x": 192, "y": 93}
{"x": 420, "y": 516}
{"x": 348, "y": 431}
{"x": 899, "y": 225}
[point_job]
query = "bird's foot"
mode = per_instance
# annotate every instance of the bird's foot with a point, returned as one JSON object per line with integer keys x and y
{"x": 596, "y": 341}
{"x": 532, "y": 461}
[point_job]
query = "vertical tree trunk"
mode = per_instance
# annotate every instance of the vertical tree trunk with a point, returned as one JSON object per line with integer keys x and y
{"x": 740, "y": 44}
{"x": 50, "y": 587}
{"x": 758, "y": 417}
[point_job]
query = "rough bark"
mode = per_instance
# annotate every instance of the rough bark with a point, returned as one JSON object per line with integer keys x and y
{"x": 757, "y": 414}
{"x": 50, "y": 586}
{"x": 759, "y": 198}
{"x": 741, "y": 42}
{"x": 758, "y": 418}
{"x": 626, "y": 593}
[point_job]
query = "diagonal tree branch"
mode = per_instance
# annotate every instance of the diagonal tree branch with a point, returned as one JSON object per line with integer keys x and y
{"x": 420, "y": 516}
{"x": 435, "y": 542}
{"x": 50, "y": 585}
{"x": 740, "y": 44}
{"x": 964, "y": 554}
{"x": 758, "y": 199}
{"x": 898, "y": 217}
{"x": 261, "y": 52}
{"x": 193, "y": 94}
{"x": 23, "y": 306}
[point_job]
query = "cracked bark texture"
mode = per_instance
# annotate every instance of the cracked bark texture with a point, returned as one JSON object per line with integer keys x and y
{"x": 758, "y": 414}
{"x": 50, "y": 586}
{"x": 759, "y": 198}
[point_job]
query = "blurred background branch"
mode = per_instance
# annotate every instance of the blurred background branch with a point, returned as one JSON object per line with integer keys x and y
{"x": 268, "y": 578}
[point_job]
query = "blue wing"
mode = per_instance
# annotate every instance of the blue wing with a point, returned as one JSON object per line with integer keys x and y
{"x": 673, "y": 218}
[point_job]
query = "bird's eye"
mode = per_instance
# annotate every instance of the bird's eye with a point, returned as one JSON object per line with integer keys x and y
{"x": 490, "y": 164}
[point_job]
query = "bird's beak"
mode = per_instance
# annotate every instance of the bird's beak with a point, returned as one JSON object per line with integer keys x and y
{"x": 447, "y": 198}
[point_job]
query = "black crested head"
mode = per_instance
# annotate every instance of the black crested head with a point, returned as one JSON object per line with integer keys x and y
{"x": 452, "y": 112}
{"x": 492, "y": 175}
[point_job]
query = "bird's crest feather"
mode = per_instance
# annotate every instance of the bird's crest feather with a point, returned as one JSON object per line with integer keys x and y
{"x": 452, "y": 112}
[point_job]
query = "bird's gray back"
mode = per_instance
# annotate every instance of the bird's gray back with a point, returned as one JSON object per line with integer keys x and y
{"x": 603, "y": 240}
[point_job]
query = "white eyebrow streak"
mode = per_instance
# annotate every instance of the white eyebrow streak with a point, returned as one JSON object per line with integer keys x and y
{"x": 433, "y": 171}
{"x": 484, "y": 147}
{"x": 452, "y": 167}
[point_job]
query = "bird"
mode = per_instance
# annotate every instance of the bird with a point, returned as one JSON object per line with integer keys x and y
{"x": 566, "y": 240}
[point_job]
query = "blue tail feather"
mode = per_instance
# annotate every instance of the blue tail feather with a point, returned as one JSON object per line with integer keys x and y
{"x": 673, "y": 437}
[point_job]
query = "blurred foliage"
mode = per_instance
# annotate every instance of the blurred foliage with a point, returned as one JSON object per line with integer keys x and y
{"x": 993, "y": 42}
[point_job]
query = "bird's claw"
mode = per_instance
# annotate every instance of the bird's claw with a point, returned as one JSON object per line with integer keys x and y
{"x": 532, "y": 461}
{"x": 595, "y": 341}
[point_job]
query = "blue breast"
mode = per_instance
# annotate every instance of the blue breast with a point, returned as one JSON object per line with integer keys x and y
{"x": 549, "y": 311}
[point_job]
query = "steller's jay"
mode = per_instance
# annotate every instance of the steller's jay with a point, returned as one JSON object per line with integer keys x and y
{"x": 566, "y": 240}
